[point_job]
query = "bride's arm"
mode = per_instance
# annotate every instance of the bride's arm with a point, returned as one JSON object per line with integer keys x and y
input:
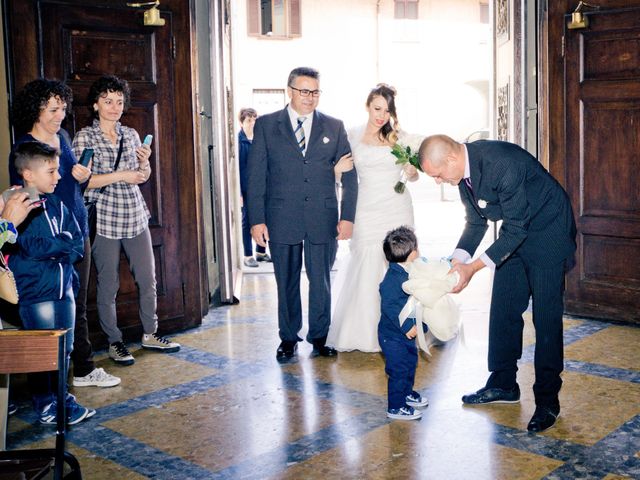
{"x": 411, "y": 172}
{"x": 345, "y": 164}
{"x": 414, "y": 142}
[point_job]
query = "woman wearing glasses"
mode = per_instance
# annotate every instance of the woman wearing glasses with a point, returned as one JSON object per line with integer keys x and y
{"x": 380, "y": 208}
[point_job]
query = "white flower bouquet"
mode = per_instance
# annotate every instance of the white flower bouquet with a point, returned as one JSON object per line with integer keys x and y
{"x": 406, "y": 151}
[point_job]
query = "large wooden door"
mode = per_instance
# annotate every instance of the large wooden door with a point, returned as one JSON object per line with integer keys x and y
{"x": 602, "y": 115}
{"x": 79, "y": 41}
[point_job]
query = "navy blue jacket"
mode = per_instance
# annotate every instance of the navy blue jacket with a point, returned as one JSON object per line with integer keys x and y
{"x": 244, "y": 146}
{"x": 509, "y": 184}
{"x": 392, "y": 301}
{"x": 295, "y": 195}
{"x": 68, "y": 189}
{"x": 49, "y": 243}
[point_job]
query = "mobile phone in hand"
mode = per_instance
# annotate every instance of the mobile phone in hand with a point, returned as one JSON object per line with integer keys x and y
{"x": 85, "y": 158}
{"x": 34, "y": 196}
{"x": 147, "y": 140}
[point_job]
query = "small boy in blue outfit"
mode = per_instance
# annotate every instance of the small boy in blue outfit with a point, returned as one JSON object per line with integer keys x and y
{"x": 49, "y": 243}
{"x": 397, "y": 341}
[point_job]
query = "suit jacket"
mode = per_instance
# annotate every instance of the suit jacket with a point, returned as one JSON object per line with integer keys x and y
{"x": 295, "y": 195}
{"x": 244, "y": 147}
{"x": 392, "y": 300}
{"x": 509, "y": 184}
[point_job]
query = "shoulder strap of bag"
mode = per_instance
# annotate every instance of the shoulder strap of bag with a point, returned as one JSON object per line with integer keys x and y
{"x": 115, "y": 165}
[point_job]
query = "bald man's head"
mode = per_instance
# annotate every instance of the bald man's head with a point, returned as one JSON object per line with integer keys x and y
{"x": 436, "y": 148}
{"x": 442, "y": 158}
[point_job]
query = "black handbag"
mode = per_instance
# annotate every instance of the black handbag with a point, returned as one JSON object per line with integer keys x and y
{"x": 91, "y": 206}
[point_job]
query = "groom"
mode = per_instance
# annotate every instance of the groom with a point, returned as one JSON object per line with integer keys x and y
{"x": 292, "y": 204}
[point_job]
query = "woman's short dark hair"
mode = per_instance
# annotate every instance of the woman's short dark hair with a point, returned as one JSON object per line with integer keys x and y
{"x": 247, "y": 112}
{"x": 33, "y": 98}
{"x": 105, "y": 84}
{"x": 389, "y": 131}
{"x": 399, "y": 243}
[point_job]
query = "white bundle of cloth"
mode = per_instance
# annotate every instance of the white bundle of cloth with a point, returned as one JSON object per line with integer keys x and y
{"x": 428, "y": 287}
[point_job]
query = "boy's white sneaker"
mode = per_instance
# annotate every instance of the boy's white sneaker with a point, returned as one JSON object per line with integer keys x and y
{"x": 414, "y": 399}
{"x": 97, "y": 378}
{"x": 404, "y": 413}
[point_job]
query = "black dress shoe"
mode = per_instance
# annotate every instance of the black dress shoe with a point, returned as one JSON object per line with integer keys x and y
{"x": 543, "y": 418}
{"x": 492, "y": 395}
{"x": 320, "y": 349}
{"x": 325, "y": 351}
{"x": 286, "y": 350}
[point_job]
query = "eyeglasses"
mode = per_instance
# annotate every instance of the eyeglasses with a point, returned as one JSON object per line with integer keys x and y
{"x": 305, "y": 93}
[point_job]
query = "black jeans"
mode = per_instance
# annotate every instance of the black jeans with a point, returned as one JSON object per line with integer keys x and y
{"x": 246, "y": 232}
{"x": 82, "y": 355}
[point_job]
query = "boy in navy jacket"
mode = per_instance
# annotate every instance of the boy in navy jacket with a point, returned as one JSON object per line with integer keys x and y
{"x": 397, "y": 340}
{"x": 49, "y": 243}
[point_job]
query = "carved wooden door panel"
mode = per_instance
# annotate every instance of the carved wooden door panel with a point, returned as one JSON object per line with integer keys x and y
{"x": 602, "y": 85}
{"x": 78, "y": 42}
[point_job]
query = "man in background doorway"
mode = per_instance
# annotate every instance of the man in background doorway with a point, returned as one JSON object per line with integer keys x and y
{"x": 247, "y": 119}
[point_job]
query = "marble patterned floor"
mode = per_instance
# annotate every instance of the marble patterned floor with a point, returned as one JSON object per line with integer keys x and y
{"x": 223, "y": 408}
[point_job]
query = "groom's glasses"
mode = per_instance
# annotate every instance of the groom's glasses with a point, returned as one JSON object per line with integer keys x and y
{"x": 305, "y": 93}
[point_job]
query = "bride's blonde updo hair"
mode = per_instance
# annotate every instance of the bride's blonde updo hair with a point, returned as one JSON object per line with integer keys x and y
{"x": 389, "y": 131}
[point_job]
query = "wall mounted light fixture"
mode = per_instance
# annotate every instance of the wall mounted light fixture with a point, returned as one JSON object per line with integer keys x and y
{"x": 578, "y": 19}
{"x": 152, "y": 15}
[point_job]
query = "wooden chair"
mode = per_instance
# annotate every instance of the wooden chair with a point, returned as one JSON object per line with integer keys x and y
{"x": 27, "y": 351}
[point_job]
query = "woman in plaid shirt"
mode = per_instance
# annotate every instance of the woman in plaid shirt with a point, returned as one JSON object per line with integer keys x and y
{"x": 122, "y": 214}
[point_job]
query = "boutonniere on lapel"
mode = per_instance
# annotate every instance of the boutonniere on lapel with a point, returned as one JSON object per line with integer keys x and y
{"x": 482, "y": 203}
{"x": 326, "y": 140}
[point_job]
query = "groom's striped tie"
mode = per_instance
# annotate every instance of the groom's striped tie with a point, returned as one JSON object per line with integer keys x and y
{"x": 302, "y": 144}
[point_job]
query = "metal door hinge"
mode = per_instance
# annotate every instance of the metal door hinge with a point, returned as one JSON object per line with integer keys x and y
{"x": 562, "y": 46}
{"x": 173, "y": 47}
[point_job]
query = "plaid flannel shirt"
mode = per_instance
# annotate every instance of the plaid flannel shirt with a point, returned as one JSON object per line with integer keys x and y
{"x": 121, "y": 209}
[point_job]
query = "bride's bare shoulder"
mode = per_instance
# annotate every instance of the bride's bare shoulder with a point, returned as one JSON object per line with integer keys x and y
{"x": 355, "y": 134}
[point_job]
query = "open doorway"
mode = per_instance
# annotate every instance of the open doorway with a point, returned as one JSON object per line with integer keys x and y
{"x": 438, "y": 56}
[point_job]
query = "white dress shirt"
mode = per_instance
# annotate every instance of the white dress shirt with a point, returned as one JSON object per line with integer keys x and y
{"x": 306, "y": 125}
{"x": 458, "y": 253}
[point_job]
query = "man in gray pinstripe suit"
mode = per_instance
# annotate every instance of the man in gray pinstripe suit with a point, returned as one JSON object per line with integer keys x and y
{"x": 501, "y": 181}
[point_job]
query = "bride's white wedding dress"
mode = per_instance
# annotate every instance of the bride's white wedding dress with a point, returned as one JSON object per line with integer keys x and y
{"x": 354, "y": 293}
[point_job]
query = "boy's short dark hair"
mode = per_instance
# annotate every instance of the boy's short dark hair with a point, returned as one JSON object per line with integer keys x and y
{"x": 29, "y": 153}
{"x": 247, "y": 112}
{"x": 399, "y": 243}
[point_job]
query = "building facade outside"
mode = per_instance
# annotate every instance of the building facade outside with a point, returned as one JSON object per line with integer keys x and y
{"x": 437, "y": 55}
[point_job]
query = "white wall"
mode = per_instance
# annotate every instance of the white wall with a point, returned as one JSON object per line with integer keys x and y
{"x": 439, "y": 64}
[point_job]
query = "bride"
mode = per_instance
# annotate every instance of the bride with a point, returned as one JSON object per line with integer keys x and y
{"x": 356, "y": 300}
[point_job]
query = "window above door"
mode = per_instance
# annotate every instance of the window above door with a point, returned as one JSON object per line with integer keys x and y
{"x": 273, "y": 18}
{"x": 406, "y": 9}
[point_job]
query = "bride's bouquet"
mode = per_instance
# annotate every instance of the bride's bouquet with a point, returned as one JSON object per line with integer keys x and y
{"x": 406, "y": 151}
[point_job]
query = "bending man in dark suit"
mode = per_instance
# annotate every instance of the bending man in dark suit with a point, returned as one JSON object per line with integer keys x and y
{"x": 501, "y": 181}
{"x": 292, "y": 204}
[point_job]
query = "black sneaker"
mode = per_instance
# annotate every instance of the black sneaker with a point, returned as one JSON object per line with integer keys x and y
{"x": 119, "y": 354}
